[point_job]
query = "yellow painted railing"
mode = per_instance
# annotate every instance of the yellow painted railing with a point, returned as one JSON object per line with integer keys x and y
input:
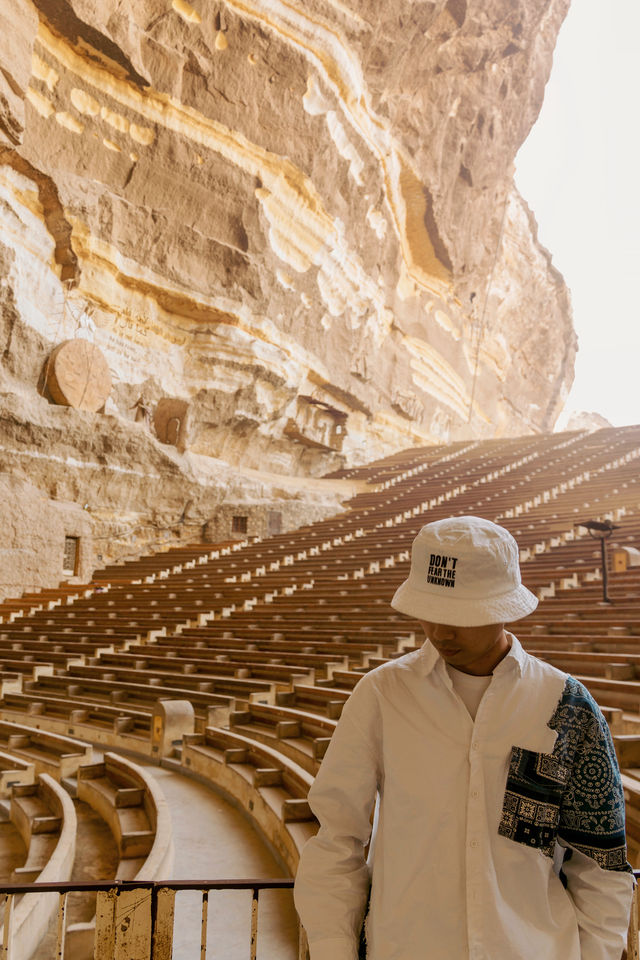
{"x": 134, "y": 921}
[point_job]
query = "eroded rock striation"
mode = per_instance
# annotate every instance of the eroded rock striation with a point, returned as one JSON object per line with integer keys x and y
{"x": 290, "y": 229}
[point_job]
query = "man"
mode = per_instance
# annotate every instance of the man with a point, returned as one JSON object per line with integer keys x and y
{"x": 499, "y": 827}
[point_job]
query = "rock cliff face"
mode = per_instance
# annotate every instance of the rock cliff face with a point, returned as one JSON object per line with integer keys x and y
{"x": 290, "y": 229}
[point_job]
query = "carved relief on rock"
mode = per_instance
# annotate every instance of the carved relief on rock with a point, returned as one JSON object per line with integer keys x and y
{"x": 407, "y": 403}
{"x": 170, "y": 421}
{"x": 77, "y": 375}
{"x": 441, "y": 425}
{"x": 317, "y": 424}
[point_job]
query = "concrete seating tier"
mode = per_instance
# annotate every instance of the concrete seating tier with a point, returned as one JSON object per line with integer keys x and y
{"x": 325, "y": 701}
{"x": 293, "y": 634}
{"x": 126, "y": 798}
{"x": 45, "y": 599}
{"x": 614, "y": 666}
{"x": 258, "y": 653}
{"x": 302, "y": 649}
{"x": 118, "y": 622}
{"x": 606, "y": 669}
{"x": 25, "y": 661}
{"x": 139, "y": 695}
{"x": 301, "y": 735}
{"x": 180, "y": 684}
{"x": 112, "y": 726}
{"x": 13, "y": 771}
{"x": 99, "y": 634}
{"x": 613, "y": 693}
{"x": 71, "y": 642}
{"x": 134, "y": 808}
{"x": 37, "y": 813}
{"x": 570, "y": 619}
{"x": 131, "y": 570}
{"x": 602, "y": 643}
{"x": 280, "y": 674}
{"x": 270, "y": 787}
{"x": 45, "y": 817}
{"x": 356, "y": 637}
{"x": 347, "y": 679}
{"x": 50, "y": 753}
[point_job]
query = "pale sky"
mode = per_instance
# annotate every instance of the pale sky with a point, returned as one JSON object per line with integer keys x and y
{"x": 579, "y": 171}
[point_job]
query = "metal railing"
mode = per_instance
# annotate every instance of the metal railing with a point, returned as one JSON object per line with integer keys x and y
{"x": 134, "y": 919}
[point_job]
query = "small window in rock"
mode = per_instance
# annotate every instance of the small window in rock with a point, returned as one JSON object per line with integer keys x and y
{"x": 239, "y": 524}
{"x": 70, "y": 559}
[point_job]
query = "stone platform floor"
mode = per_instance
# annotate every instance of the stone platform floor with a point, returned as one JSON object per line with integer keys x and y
{"x": 213, "y": 840}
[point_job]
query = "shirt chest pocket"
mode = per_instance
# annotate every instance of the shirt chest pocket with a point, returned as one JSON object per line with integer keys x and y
{"x": 531, "y": 809}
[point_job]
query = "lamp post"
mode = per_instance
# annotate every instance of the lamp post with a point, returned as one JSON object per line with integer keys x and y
{"x": 601, "y": 530}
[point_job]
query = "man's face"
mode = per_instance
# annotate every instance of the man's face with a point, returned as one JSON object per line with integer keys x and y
{"x": 475, "y": 650}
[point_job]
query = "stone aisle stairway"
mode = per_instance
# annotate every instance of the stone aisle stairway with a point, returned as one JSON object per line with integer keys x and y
{"x": 213, "y": 839}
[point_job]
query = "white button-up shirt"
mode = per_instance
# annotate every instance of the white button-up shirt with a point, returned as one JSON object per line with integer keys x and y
{"x": 445, "y": 883}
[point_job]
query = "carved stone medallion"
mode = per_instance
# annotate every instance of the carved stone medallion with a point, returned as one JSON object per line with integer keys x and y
{"x": 78, "y": 375}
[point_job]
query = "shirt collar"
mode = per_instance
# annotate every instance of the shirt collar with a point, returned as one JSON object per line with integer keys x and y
{"x": 429, "y": 658}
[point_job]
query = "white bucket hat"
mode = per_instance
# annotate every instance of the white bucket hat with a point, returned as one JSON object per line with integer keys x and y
{"x": 465, "y": 572}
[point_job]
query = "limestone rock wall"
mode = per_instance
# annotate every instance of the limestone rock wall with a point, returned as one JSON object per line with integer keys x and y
{"x": 34, "y": 528}
{"x": 124, "y": 496}
{"x": 293, "y": 222}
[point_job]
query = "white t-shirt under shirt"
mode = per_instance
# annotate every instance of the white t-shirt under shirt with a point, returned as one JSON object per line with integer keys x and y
{"x": 469, "y": 688}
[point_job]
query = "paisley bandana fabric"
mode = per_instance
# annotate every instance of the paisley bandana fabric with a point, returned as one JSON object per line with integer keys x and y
{"x": 573, "y": 794}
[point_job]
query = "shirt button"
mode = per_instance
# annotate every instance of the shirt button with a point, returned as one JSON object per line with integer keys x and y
{"x": 474, "y": 794}
{"x": 474, "y": 843}
{"x": 475, "y": 745}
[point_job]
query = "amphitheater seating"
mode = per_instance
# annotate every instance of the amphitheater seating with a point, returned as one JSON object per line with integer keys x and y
{"x": 127, "y": 798}
{"x": 49, "y": 752}
{"x": 246, "y": 653}
{"x": 271, "y": 787}
{"x": 302, "y": 736}
{"x": 36, "y": 812}
{"x": 267, "y": 639}
{"x": 197, "y": 666}
{"x": 14, "y": 771}
{"x": 45, "y": 817}
{"x": 124, "y": 797}
{"x": 106, "y": 725}
{"x": 143, "y": 694}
